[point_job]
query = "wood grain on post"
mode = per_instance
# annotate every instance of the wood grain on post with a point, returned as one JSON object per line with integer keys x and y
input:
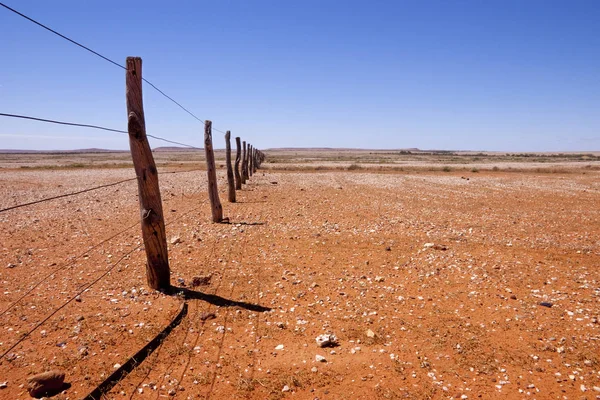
{"x": 213, "y": 192}
{"x": 153, "y": 224}
{"x": 238, "y": 177}
{"x": 230, "y": 182}
{"x": 244, "y": 163}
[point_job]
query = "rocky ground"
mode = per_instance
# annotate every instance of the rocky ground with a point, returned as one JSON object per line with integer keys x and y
{"x": 436, "y": 285}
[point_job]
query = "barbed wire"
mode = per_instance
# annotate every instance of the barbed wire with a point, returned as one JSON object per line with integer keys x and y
{"x": 53, "y": 121}
{"x": 26, "y": 335}
{"x": 63, "y": 267}
{"x": 66, "y": 195}
{"x": 86, "y": 287}
{"x": 106, "y": 59}
{"x": 86, "y": 190}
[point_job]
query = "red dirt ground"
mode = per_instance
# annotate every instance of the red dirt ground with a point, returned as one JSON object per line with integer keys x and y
{"x": 335, "y": 252}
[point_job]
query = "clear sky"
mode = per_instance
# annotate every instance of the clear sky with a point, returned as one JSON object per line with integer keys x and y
{"x": 504, "y": 75}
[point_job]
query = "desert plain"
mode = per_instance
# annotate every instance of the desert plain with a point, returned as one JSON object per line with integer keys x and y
{"x": 442, "y": 275}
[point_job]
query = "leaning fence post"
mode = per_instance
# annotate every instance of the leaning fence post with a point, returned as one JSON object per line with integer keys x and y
{"x": 213, "y": 192}
{"x": 230, "y": 182}
{"x": 238, "y": 178}
{"x": 244, "y": 163}
{"x": 153, "y": 224}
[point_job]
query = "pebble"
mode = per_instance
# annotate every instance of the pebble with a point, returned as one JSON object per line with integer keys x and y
{"x": 320, "y": 358}
{"x": 326, "y": 340}
{"x": 3, "y": 385}
{"x": 279, "y": 347}
{"x": 546, "y": 304}
{"x": 286, "y": 388}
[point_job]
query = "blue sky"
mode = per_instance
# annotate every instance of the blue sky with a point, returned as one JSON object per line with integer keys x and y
{"x": 474, "y": 75}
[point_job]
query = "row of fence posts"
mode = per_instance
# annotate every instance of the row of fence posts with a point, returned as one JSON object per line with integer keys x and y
{"x": 247, "y": 161}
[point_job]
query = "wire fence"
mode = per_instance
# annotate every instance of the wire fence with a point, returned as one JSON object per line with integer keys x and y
{"x": 73, "y": 295}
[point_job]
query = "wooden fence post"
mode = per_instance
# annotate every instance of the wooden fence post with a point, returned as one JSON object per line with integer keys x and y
{"x": 158, "y": 274}
{"x": 230, "y": 182}
{"x": 244, "y": 163}
{"x": 250, "y": 149}
{"x": 238, "y": 177}
{"x": 213, "y": 192}
{"x": 254, "y": 163}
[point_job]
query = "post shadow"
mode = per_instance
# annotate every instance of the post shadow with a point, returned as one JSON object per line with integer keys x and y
{"x": 216, "y": 300}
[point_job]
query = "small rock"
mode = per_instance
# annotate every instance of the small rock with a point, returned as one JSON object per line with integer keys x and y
{"x": 117, "y": 366}
{"x": 11, "y": 265}
{"x": 3, "y": 385}
{"x": 428, "y": 245}
{"x": 45, "y": 382}
{"x": 379, "y": 279}
{"x": 513, "y": 297}
{"x": 78, "y": 299}
{"x": 176, "y": 240}
{"x": 388, "y": 248}
{"x": 546, "y": 304}
{"x": 314, "y": 369}
{"x": 370, "y": 333}
{"x": 326, "y": 340}
{"x": 279, "y": 347}
{"x": 320, "y": 358}
{"x": 286, "y": 388}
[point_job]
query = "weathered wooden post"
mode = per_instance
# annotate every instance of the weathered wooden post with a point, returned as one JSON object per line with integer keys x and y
{"x": 230, "y": 182}
{"x": 238, "y": 178}
{"x": 254, "y": 161}
{"x": 158, "y": 274}
{"x": 213, "y": 193}
{"x": 250, "y": 149}
{"x": 244, "y": 163}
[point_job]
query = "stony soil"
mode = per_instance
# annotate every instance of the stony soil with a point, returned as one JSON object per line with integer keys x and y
{"x": 431, "y": 282}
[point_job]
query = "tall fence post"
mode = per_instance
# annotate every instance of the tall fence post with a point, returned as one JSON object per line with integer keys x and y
{"x": 153, "y": 224}
{"x": 238, "y": 178}
{"x": 244, "y": 163}
{"x": 230, "y": 182}
{"x": 250, "y": 149}
{"x": 254, "y": 161}
{"x": 213, "y": 192}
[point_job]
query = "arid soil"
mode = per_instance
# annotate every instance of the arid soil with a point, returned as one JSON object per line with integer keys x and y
{"x": 431, "y": 281}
